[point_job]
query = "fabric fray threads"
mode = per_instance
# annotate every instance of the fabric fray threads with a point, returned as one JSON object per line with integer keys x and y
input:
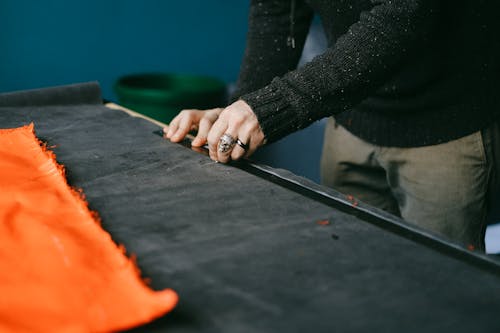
{"x": 59, "y": 270}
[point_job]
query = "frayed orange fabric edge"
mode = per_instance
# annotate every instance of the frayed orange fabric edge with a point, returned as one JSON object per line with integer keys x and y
{"x": 80, "y": 195}
{"x": 112, "y": 294}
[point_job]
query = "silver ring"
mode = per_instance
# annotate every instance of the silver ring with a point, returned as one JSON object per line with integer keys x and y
{"x": 242, "y": 145}
{"x": 226, "y": 143}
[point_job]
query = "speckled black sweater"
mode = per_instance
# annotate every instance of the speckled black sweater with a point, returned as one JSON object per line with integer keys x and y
{"x": 397, "y": 72}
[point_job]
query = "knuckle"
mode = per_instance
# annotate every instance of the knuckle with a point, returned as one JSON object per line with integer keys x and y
{"x": 254, "y": 126}
{"x": 175, "y": 120}
{"x": 238, "y": 119}
{"x": 188, "y": 113}
{"x": 205, "y": 122}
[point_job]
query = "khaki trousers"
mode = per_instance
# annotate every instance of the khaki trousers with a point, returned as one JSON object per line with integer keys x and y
{"x": 445, "y": 188}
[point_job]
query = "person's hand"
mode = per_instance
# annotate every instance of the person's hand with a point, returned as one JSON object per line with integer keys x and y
{"x": 231, "y": 133}
{"x": 235, "y": 134}
{"x": 188, "y": 120}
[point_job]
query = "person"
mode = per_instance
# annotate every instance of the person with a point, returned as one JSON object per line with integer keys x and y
{"x": 410, "y": 87}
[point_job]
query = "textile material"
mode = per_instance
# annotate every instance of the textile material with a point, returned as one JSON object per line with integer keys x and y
{"x": 60, "y": 271}
{"x": 83, "y": 93}
{"x": 247, "y": 255}
{"x": 440, "y": 187}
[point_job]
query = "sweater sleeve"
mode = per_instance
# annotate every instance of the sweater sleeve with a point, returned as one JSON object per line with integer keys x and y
{"x": 359, "y": 62}
{"x": 272, "y": 25}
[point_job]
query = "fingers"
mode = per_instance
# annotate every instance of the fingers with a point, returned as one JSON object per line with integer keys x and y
{"x": 204, "y": 126}
{"x": 218, "y": 129}
{"x": 238, "y": 122}
{"x": 241, "y": 147}
{"x": 188, "y": 120}
{"x": 180, "y": 126}
{"x": 257, "y": 138}
{"x": 231, "y": 133}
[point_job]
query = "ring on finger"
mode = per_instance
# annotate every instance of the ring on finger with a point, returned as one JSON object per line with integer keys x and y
{"x": 240, "y": 143}
{"x": 226, "y": 143}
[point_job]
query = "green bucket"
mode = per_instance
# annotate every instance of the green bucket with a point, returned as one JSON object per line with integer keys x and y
{"x": 161, "y": 95}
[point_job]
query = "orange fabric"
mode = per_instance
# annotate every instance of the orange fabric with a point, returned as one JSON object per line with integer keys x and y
{"x": 59, "y": 270}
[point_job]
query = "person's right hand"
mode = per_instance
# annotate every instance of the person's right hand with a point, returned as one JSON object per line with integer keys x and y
{"x": 188, "y": 120}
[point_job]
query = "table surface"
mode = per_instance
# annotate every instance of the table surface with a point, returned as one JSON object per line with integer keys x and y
{"x": 247, "y": 253}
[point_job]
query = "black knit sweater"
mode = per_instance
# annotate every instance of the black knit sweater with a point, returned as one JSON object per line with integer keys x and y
{"x": 400, "y": 73}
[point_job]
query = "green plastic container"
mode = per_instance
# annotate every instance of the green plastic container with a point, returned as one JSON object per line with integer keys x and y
{"x": 161, "y": 95}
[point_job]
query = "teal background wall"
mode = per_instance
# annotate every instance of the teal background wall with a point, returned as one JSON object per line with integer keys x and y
{"x": 55, "y": 42}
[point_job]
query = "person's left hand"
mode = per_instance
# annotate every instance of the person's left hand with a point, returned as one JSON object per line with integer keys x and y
{"x": 237, "y": 125}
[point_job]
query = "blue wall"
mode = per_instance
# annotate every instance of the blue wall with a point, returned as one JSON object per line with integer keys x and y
{"x": 56, "y": 42}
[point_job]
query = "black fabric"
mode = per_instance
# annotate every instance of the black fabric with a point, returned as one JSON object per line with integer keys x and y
{"x": 244, "y": 254}
{"x": 81, "y": 93}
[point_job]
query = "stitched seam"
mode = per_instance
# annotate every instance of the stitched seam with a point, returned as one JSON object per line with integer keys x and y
{"x": 480, "y": 143}
{"x": 485, "y": 207}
